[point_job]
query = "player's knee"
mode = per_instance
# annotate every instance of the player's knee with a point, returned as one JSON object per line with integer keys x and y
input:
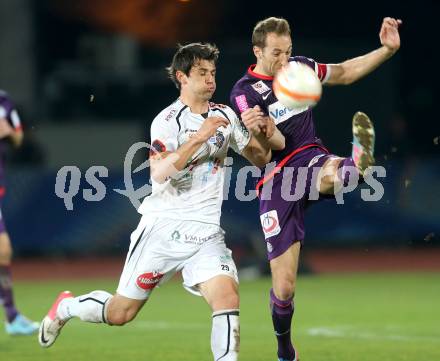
{"x": 5, "y": 258}
{"x": 285, "y": 288}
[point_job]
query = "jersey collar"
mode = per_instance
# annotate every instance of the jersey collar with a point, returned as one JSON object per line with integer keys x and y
{"x": 256, "y": 75}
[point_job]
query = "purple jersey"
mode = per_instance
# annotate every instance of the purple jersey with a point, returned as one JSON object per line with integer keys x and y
{"x": 296, "y": 125}
{"x": 8, "y": 112}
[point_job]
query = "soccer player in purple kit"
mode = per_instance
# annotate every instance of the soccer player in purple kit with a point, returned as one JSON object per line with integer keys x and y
{"x": 283, "y": 221}
{"x": 10, "y": 131}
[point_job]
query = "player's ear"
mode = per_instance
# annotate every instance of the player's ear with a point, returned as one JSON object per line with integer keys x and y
{"x": 257, "y": 51}
{"x": 181, "y": 77}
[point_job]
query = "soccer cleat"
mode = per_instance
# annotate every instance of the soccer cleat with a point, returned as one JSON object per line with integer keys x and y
{"x": 21, "y": 326}
{"x": 51, "y": 325}
{"x": 363, "y": 141}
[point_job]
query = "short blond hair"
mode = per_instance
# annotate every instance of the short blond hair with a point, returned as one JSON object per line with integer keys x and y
{"x": 275, "y": 25}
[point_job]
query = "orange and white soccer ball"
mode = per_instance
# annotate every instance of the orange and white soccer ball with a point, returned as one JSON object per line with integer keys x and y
{"x": 296, "y": 85}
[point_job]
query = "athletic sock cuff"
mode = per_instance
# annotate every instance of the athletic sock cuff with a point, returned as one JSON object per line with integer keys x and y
{"x": 5, "y": 270}
{"x": 278, "y": 302}
{"x": 230, "y": 312}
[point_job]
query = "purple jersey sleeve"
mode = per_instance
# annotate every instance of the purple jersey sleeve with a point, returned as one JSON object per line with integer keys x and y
{"x": 321, "y": 70}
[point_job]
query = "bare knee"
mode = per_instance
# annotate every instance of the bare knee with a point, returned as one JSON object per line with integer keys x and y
{"x": 221, "y": 293}
{"x": 284, "y": 269}
{"x": 284, "y": 288}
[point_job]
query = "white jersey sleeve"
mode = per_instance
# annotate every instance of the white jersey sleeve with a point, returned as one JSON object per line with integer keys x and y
{"x": 240, "y": 135}
{"x": 164, "y": 133}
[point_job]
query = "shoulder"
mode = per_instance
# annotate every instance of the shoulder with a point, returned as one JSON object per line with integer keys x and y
{"x": 241, "y": 83}
{"x": 322, "y": 70}
{"x": 225, "y": 110}
{"x": 249, "y": 86}
{"x": 304, "y": 60}
{"x": 171, "y": 114}
{"x": 249, "y": 91}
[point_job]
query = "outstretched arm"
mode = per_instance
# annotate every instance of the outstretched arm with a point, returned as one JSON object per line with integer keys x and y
{"x": 354, "y": 69}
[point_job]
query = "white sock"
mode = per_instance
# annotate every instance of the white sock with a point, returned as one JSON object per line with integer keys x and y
{"x": 225, "y": 335}
{"x": 90, "y": 307}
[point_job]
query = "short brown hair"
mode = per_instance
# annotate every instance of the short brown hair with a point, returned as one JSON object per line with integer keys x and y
{"x": 278, "y": 26}
{"x": 188, "y": 55}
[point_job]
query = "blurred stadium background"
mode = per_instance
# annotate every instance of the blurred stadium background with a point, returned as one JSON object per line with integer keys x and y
{"x": 88, "y": 78}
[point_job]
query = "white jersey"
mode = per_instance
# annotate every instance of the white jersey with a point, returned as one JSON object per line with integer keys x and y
{"x": 196, "y": 192}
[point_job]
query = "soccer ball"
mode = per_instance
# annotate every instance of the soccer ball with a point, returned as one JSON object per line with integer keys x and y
{"x": 296, "y": 85}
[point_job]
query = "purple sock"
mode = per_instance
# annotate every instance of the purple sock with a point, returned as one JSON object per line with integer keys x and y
{"x": 6, "y": 295}
{"x": 282, "y": 312}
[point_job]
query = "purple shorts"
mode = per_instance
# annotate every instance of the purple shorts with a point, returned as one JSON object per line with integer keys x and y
{"x": 284, "y": 200}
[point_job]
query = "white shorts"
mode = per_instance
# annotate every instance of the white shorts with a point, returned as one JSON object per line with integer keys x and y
{"x": 161, "y": 247}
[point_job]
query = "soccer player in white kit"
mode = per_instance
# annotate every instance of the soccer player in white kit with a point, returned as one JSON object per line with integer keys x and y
{"x": 180, "y": 225}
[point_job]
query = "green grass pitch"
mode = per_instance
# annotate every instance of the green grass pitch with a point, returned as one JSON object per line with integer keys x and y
{"x": 358, "y": 317}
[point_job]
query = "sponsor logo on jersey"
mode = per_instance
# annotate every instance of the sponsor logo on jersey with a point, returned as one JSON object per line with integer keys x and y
{"x": 266, "y": 95}
{"x": 270, "y": 223}
{"x": 260, "y": 87}
{"x": 175, "y": 236}
{"x": 269, "y": 247}
{"x": 195, "y": 239}
{"x": 241, "y": 103}
{"x": 149, "y": 280}
{"x": 280, "y": 113}
{"x": 218, "y": 139}
{"x": 225, "y": 259}
{"x": 157, "y": 147}
{"x": 170, "y": 114}
{"x": 315, "y": 160}
{"x": 190, "y": 132}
